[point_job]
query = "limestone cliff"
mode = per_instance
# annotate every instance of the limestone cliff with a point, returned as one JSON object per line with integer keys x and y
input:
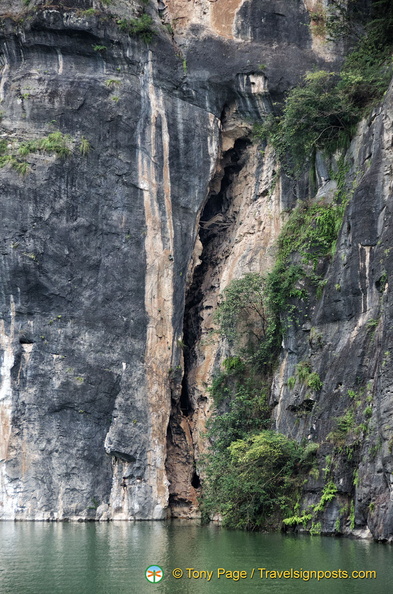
{"x": 346, "y": 338}
{"x": 115, "y": 249}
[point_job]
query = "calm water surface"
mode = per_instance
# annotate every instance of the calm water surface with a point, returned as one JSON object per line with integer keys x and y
{"x": 42, "y": 558}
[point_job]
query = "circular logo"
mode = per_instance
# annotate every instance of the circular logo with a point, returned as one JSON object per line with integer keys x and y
{"x": 154, "y": 574}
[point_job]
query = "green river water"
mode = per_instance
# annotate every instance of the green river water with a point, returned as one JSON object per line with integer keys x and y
{"x": 111, "y": 558}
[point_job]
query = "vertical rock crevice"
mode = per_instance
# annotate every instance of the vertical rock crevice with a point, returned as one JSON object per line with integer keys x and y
{"x": 189, "y": 407}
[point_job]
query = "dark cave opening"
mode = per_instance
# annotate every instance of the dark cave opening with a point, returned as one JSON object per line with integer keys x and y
{"x": 214, "y": 222}
{"x": 218, "y": 203}
{"x": 185, "y": 403}
{"x": 195, "y": 482}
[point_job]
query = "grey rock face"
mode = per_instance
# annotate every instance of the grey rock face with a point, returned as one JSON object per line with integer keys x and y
{"x": 346, "y": 338}
{"x": 76, "y": 231}
{"x": 273, "y": 22}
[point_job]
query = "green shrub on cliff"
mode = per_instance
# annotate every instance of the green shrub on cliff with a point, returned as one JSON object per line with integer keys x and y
{"x": 321, "y": 112}
{"x": 248, "y": 320}
{"x": 317, "y": 116}
{"x": 241, "y": 315}
{"x": 243, "y": 411}
{"x": 138, "y": 27}
{"x": 253, "y": 483}
{"x": 56, "y": 142}
{"x": 62, "y": 145}
{"x": 307, "y": 240}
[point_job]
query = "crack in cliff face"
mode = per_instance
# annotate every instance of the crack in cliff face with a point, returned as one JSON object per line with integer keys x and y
{"x": 214, "y": 224}
{"x": 183, "y": 430}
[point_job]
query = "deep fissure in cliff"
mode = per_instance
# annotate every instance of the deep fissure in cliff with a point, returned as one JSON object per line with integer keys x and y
{"x": 215, "y": 226}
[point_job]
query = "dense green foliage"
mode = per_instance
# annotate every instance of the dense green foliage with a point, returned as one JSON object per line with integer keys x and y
{"x": 305, "y": 242}
{"x": 236, "y": 432}
{"x": 305, "y": 376}
{"x": 241, "y": 399}
{"x": 311, "y": 513}
{"x": 246, "y": 319}
{"x": 253, "y": 482}
{"x": 56, "y": 142}
{"x": 309, "y": 517}
{"x": 242, "y": 310}
{"x": 316, "y": 116}
{"x": 138, "y": 27}
{"x": 349, "y": 19}
{"x": 321, "y": 113}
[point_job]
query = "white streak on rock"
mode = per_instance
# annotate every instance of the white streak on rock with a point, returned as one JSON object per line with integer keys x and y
{"x": 7, "y": 491}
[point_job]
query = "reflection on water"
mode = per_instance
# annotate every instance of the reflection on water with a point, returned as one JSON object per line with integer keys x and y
{"x": 111, "y": 558}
